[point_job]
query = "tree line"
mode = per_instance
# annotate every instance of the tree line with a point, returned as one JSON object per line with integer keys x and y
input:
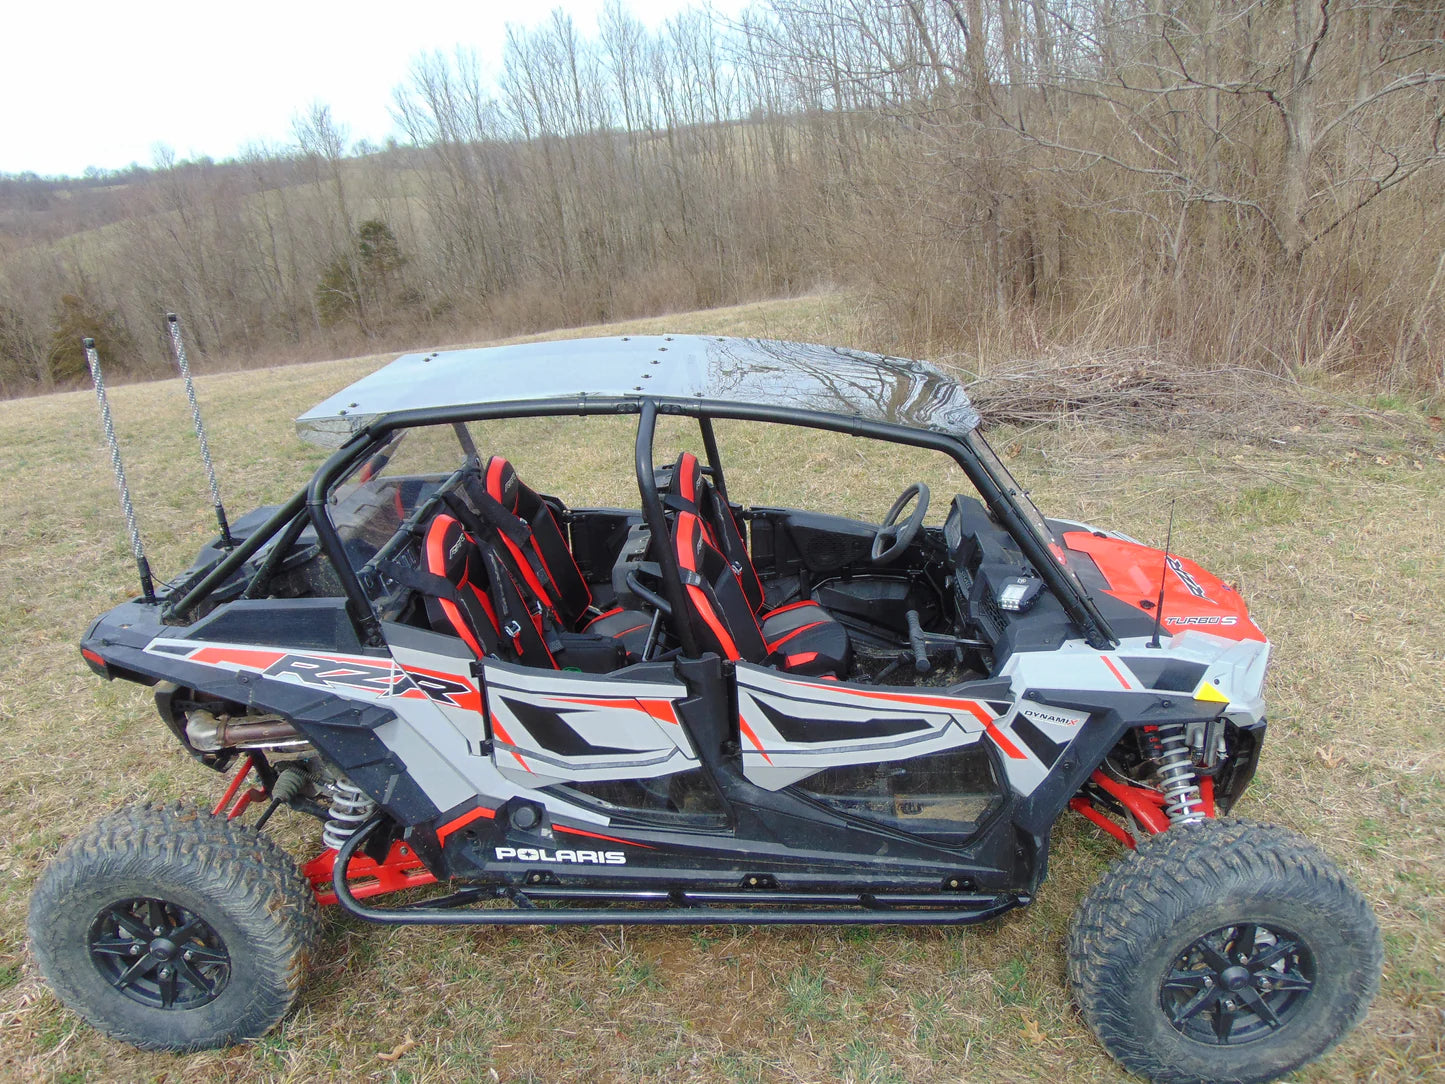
{"x": 1240, "y": 183}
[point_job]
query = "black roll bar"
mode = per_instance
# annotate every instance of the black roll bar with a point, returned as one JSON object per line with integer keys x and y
{"x": 714, "y": 460}
{"x": 237, "y": 557}
{"x": 657, "y": 524}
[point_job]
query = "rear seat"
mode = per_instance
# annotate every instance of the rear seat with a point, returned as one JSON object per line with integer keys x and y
{"x": 490, "y": 587}
{"x": 545, "y": 562}
{"x": 481, "y": 590}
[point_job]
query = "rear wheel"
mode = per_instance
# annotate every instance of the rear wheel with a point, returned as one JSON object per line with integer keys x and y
{"x": 1223, "y": 951}
{"x": 173, "y": 929}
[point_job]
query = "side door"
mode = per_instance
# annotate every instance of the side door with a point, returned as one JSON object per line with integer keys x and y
{"x": 551, "y": 726}
{"x": 791, "y": 728}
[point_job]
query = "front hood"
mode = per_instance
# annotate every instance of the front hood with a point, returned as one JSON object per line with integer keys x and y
{"x": 1194, "y": 600}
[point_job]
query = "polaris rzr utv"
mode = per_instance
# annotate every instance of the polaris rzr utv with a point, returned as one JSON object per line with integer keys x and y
{"x": 696, "y": 711}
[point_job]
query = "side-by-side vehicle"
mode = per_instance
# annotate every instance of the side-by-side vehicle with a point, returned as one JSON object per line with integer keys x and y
{"x": 697, "y": 710}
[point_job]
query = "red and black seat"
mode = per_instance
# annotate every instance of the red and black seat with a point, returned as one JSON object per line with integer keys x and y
{"x": 473, "y": 596}
{"x": 544, "y": 562}
{"x": 725, "y": 593}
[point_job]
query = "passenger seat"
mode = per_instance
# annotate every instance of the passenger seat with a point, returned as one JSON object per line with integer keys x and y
{"x": 725, "y": 593}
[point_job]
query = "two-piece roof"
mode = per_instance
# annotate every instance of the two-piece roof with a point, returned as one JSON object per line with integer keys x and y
{"x": 678, "y": 368}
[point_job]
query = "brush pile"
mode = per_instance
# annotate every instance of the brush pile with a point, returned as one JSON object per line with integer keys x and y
{"x": 1138, "y": 390}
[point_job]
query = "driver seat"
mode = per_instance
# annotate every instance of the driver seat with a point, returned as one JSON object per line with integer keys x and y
{"x": 726, "y": 617}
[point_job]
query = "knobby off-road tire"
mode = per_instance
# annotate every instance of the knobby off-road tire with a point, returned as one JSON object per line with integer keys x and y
{"x": 1155, "y": 954}
{"x": 173, "y": 929}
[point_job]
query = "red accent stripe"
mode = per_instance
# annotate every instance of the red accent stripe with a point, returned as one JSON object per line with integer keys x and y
{"x": 978, "y": 711}
{"x": 237, "y": 656}
{"x": 1003, "y": 743}
{"x": 748, "y": 733}
{"x": 610, "y": 613}
{"x": 501, "y": 732}
{"x": 529, "y": 574}
{"x": 462, "y": 821}
{"x": 686, "y": 527}
{"x": 801, "y": 628}
{"x": 800, "y": 659}
{"x": 609, "y": 839}
{"x": 662, "y": 710}
{"x": 789, "y": 606}
{"x": 1110, "y": 664}
{"x": 436, "y": 564}
{"x": 494, "y": 477}
{"x": 486, "y": 605}
{"x": 687, "y": 465}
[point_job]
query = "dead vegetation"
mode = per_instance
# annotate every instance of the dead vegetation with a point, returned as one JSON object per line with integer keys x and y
{"x": 1335, "y": 545}
{"x": 1225, "y": 183}
{"x": 1142, "y": 391}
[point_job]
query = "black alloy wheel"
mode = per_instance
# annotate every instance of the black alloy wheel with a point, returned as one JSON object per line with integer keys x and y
{"x": 1223, "y": 951}
{"x": 173, "y": 929}
{"x": 1237, "y": 984}
{"x": 159, "y": 954}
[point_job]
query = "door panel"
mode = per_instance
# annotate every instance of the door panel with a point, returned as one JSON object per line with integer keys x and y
{"x": 554, "y": 727}
{"x": 793, "y": 727}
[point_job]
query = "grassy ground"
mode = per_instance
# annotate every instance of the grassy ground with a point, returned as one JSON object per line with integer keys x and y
{"x": 1334, "y": 542}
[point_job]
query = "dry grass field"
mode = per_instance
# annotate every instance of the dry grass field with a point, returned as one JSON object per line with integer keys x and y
{"x": 1330, "y": 527}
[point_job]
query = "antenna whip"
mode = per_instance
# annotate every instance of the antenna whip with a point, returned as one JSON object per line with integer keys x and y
{"x": 1163, "y": 572}
{"x": 173, "y": 322}
{"x": 147, "y": 584}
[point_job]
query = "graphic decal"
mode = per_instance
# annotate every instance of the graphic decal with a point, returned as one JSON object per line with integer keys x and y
{"x": 792, "y": 728}
{"x": 1191, "y": 585}
{"x": 556, "y": 727}
{"x": 542, "y": 854}
{"x": 353, "y": 676}
{"x": 1193, "y": 597}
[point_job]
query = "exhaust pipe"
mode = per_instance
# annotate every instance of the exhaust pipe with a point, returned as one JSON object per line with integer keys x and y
{"x": 211, "y": 733}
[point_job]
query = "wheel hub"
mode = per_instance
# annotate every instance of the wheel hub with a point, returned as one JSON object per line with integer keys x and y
{"x": 159, "y": 954}
{"x": 1237, "y": 983}
{"x": 1236, "y": 978}
{"x": 161, "y": 949}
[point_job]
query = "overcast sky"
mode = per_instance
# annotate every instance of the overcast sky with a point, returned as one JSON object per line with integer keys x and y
{"x": 99, "y": 84}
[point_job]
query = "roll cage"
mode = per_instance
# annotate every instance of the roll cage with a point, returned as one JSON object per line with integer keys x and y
{"x": 1005, "y": 499}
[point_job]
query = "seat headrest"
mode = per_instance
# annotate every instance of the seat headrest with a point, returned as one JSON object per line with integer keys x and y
{"x": 687, "y": 480}
{"x": 448, "y": 549}
{"x": 503, "y": 485}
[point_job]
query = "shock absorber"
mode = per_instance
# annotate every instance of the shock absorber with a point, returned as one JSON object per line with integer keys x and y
{"x": 350, "y": 809}
{"x": 1176, "y": 774}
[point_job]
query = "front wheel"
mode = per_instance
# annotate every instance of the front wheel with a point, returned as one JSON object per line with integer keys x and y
{"x": 173, "y": 929}
{"x": 1223, "y": 951}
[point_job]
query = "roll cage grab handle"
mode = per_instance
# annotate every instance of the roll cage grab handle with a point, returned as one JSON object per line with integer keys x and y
{"x": 311, "y": 502}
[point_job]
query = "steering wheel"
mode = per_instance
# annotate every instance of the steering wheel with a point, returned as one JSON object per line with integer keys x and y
{"x": 893, "y": 538}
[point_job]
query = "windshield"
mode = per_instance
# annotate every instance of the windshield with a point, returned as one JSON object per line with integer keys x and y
{"x": 1025, "y": 506}
{"x": 370, "y": 502}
